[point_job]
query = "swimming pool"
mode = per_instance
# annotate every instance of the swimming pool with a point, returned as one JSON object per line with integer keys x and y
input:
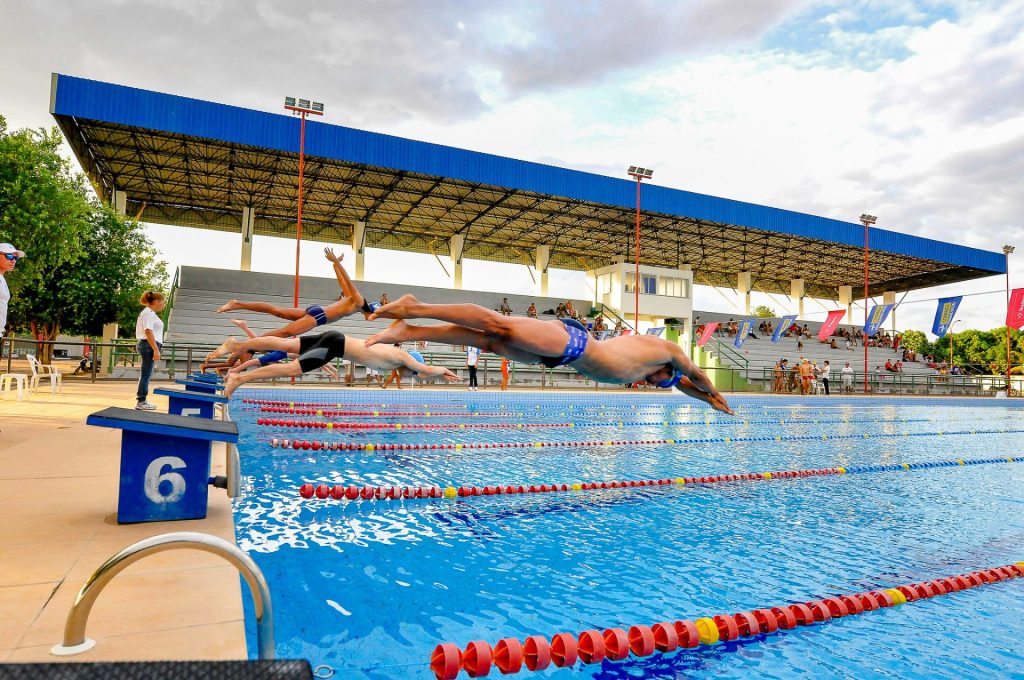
{"x": 368, "y": 588}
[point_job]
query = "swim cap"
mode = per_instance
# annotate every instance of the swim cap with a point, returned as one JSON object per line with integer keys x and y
{"x": 370, "y": 307}
{"x": 673, "y": 381}
{"x": 418, "y": 357}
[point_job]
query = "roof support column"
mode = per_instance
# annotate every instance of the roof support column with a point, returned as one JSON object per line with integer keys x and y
{"x": 889, "y": 298}
{"x": 119, "y": 201}
{"x": 846, "y": 298}
{"x": 541, "y": 258}
{"x": 796, "y": 292}
{"x": 248, "y": 220}
{"x": 359, "y": 248}
{"x": 743, "y": 286}
{"x": 456, "y": 245}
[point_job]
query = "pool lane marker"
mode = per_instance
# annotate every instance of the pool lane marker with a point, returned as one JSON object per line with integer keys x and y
{"x": 353, "y": 492}
{"x": 319, "y": 425}
{"x": 539, "y": 652}
{"x": 314, "y": 424}
{"x": 369, "y": 446}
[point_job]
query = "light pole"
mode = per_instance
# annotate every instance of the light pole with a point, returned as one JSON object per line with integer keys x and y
{"x": 640, "y": 174}
{"x": 1006, "y": 251}
{"x": 951, "y": 343}
{"x": 866, "y": 220}
{"x": 302, "y": 108}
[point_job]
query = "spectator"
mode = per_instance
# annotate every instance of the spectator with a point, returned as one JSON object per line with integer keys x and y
{"x": 149, "y": 335}
{"x": 505, "y": 308}
{"x": 599, "y": 324}
{"x": 732, "y": 328}
{"x": 779, "y": 376}
{"x": 771, "y": 329}
{"x": 619, "y": 327}
{"x": 847, "y": 378}
{"x": 889, "y": 367}
{"x": 799, "y": 343}
{"x": 384, "y": 299}
{"x": 849, "y": 343}
{"x": 472, "y": 359}
{"x": 806, "y": 332}
{"x": 570, "y": 311}
{"x": 806, "y": 376}
{"x": 532, "y": 311}
{"x": 826, "y": 372}
{"x": 371, "y": 375}
{"x": 9, "y": 256}
{"x": 505, "y": 365}
{"x": 834, "y": 344}
{"x": 560, "y": 311}
{"x": 794, "y": 377}
{"x": 898, "y": 367}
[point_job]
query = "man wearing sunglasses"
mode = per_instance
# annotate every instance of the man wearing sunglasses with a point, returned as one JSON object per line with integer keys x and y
{"x": 9, "y": 256}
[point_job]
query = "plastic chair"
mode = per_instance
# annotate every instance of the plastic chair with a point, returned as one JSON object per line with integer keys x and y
{"x": 43, "y": 371}
{"x": 18, "y": 378}
{"x": 817, "y": 387}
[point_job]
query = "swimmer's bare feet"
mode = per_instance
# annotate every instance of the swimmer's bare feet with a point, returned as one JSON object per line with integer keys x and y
{"x": 399, "y": 309}
{"x": 229, "y": 346}
{"x": 398, "y": 331}
{"x": 229, "y": 306}
{"x": 231, "y": 382}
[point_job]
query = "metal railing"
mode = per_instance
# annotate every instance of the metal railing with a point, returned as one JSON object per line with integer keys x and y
{"x": 75, "y": 642}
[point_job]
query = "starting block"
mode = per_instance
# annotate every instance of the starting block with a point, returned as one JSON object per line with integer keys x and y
{"x": 204, "y": 386}
{"x": 165, "y": 462}
{"x": 185, "y": 403}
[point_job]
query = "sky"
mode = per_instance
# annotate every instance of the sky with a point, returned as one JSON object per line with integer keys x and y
{"x": 910, "y": 110}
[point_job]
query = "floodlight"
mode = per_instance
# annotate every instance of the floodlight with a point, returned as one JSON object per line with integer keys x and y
{"x": 640, "y": 173}
{"x": 868, "y": 219}
{"x": 1007, "y": 250}
{"x": 632, "y": 170}
{"x": 303, "y": 103}
{"x": 318, "y": 107}
{"x": 289, "y": 101}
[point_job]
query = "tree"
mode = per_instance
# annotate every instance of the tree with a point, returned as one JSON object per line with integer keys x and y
{"x": 764, "y": 312}
{"x": 915, "y": 340}
{"x": 43, "y": 204}
{"x": 102, "y": 285}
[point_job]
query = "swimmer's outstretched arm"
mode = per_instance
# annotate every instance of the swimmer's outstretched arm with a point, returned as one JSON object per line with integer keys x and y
{"x": 697, "y": 384}
{"x": 348, "y": 288}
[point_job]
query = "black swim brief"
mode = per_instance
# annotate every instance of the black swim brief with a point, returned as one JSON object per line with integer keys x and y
{"x": 318, "y": 350}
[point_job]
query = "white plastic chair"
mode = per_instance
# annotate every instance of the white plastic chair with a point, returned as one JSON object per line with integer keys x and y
{"x": 43, "y": 371}
{"x": 9, "y": 380}
{"x": 817, "y": 387}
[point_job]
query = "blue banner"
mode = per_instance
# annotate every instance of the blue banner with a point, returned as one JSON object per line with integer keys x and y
{"x": 745, "y": 328}
{"x": 944, "y": 315}
{"x": 784, "y": 324}
{"x": 876, "y": 318}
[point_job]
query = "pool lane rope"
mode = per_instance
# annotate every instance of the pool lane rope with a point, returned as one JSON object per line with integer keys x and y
{"x": 353, "y": 492}
{"x": 369, "y": 446}
{"x": 538, "y": 652}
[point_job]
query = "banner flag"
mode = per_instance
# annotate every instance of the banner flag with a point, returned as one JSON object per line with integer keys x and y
{"x": 783, "y": 326}
{"x": 1015, "y": 312}
{"x": 831, "y": 324}
{"x": 944, "y": 315}
{"x": 876, "y": 318}
{"x": 709, "y": 329}
{"x": 745, "y": 328}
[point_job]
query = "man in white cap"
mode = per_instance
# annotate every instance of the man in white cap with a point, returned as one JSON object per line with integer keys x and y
{"x": 9, "y": 256}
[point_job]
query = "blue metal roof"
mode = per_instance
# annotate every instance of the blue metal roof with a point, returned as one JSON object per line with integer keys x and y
{"x": 133, "y": 107}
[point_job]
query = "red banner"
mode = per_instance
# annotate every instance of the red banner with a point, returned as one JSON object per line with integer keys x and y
{"x": 709, "y": 328}
{"x": 830, "y": 325}
{"x": 1015, "y": 311}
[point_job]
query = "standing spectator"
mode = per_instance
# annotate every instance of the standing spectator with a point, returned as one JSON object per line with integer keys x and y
{"x": 826, "y": 372}
{"x": 371, "y": 375}
{"x": 505, "y": 364}
{"x": 384, "y": 299}
{"x": 396, "y": 375}
{"x": 806, "y": 376}
{"x": 532, "y": 311}
{"x": 847, "y": 378}
{"x": 779, "y": 376}
{"x": 472, "y": 359}
{"x": 9, "y": 256}
{"x": 149, "y": 332}
{"x": 505, "y": 309}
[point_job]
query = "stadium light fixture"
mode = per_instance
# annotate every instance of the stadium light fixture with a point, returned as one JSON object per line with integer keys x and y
{"x": 639, "y": 174}
{"x": 301, "y": 108}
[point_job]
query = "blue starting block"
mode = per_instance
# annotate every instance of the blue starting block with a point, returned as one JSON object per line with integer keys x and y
{"x": 206, "y": 377}
{"x": 185, "y": 403}
{"x": 200, "y": 386}
{"x": 165, "y": 462}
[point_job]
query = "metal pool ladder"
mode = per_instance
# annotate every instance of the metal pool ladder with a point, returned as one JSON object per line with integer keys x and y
{"x": 75, "y": 641}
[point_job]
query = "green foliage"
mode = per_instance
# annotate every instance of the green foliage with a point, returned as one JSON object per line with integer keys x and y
{"x": 764, "y": 312}
{"x": 43, "y": 204}
{"x": 986, "y": 349}
{"x": 914, "y": 340}
{"x": 103, "y": 285}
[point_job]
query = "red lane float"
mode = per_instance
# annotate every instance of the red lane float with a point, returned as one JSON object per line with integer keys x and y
{"x": 387, "y": 414}
{"x": 320, "y": 425}
{"x": 615, "y": 644}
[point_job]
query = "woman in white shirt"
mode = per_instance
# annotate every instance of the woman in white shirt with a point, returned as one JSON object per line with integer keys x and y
{"x": 149, "y": 331}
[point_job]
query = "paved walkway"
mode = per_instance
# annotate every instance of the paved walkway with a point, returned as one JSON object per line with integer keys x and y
{"x": 58, "y": 501}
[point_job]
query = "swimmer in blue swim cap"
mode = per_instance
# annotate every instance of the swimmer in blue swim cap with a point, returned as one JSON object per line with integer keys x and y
{"x": 626, "y": 359}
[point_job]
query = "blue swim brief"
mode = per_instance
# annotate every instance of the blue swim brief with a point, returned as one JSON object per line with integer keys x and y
{"x": 574, "y": 348}
{"x": 272, "y": 357}
{"x": 317, "y": 312}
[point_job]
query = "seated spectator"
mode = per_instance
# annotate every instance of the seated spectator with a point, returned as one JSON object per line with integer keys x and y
{"x": 619, "y": 327}
{"x": 897, "y": 367}
{"x": 599, "y": 324}
{"x": 384, "y": 299}
{"x": 570, "y": 310}
{"x": 792, "y": 329}
{"x": 733, "y": 328}
{"x": 805, "y": 331}
{"x": 560, "y": 311}
{"x": 532, "y": 311}
{"x": 834, "y": 344}
{"x": 849, "y": 343}
{"x": 505, "y": 309}
{"x": 889, "y": 367}
{"x": 763, "y": 327}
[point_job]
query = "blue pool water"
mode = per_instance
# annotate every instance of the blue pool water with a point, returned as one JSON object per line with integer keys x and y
{"x": 368, "y": 588}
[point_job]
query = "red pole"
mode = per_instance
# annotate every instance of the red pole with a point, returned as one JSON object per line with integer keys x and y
{"x": 865, "y": 338}
{"x": 636, "y": 281}
{"x": 298, "y": 228}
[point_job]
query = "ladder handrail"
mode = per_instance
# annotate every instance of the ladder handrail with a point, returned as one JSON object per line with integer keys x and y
{"x": 75, "y": 642}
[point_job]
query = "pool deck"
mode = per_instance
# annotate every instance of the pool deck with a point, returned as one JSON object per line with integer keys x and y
{"x": 58, "y": 501}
